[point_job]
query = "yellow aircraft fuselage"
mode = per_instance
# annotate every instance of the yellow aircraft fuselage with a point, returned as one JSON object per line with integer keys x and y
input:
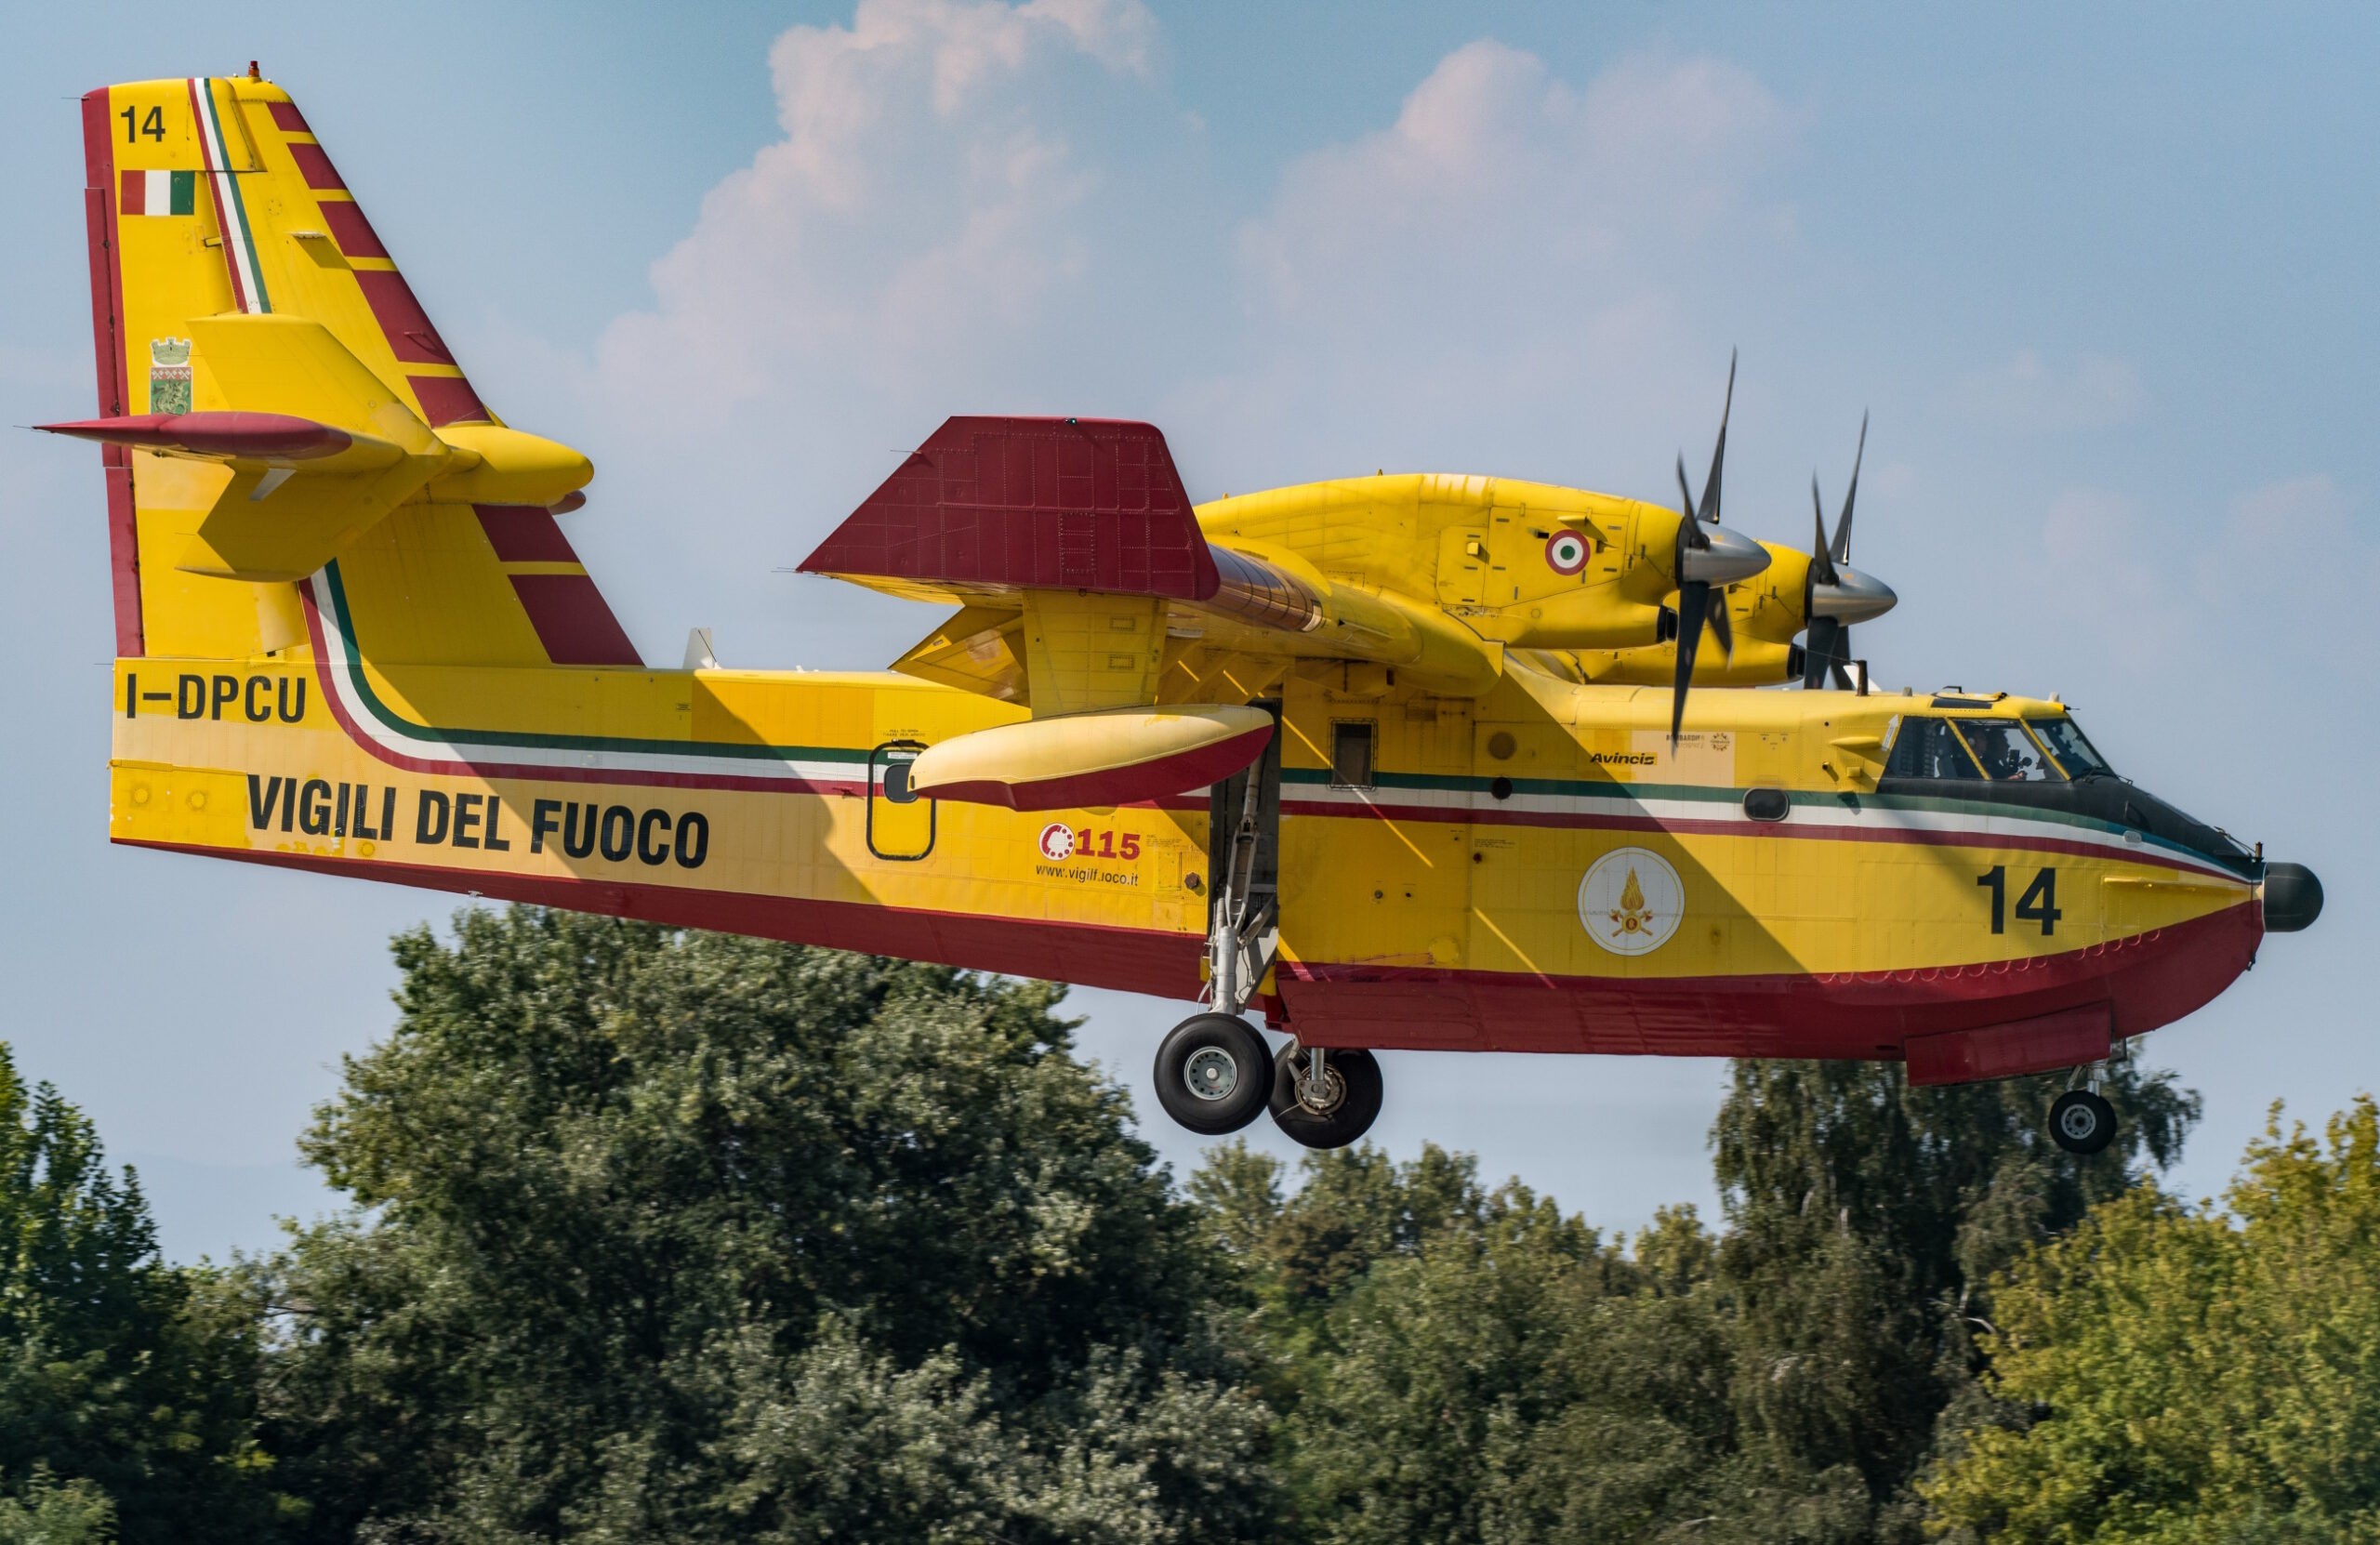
{"x": 354, "y": 639}
{"x": 1437, "y": 899}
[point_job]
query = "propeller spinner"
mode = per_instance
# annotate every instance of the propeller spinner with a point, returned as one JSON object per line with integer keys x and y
{"x": 1708, "y": 554}
{"x": 1836, "y": 595}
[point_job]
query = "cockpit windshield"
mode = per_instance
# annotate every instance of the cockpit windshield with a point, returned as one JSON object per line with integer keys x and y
{"x": 2005, "y": 750}
{"x": 1929, "y": 748}
{"x": 2005, "y": 753}
{"x": 2065, "y": 741}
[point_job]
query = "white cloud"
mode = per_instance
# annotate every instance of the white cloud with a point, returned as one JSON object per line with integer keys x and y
{"x": 2029, "y": 392}
{"x": 1513, "y": 255}
{"x": 918, "y": 207}
{"x": 979, "y": 206}
{"x": 2112, "y": 575}
{"x": 2291, "y": 552}
{"x": 1494, "y": 165}
{"x": 2192, "y": 593}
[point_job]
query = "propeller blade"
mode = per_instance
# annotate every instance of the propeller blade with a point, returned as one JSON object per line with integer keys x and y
{"x": 1710, "y": 510}
{"x": 1842, "y": 660}
{"x": 1842, "y": 550}
{"x": 1817, "y": 652}
{"x": 1721, "y": 629}
{"x": 1821, "y": 564}
{"x": 1693, "y": 602}
{"x": 1689, "y": 532}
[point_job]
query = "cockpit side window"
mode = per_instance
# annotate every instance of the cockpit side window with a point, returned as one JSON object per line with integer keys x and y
{"x": 2064, "y": 738}
{"x": 1929, "y": 748}
{"x": 2008, "y": 755}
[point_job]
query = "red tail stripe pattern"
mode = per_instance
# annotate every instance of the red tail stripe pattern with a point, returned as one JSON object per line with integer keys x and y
{"x": 523, "y": 534}
{"x": 315, "y": 166}
{"x": 572, "y": 620}
{"x": 352, "y": 231}
{"x": 108, "y": 354}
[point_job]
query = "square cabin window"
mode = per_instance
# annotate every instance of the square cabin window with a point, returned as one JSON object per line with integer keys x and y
{"x": 1351, "y": 754}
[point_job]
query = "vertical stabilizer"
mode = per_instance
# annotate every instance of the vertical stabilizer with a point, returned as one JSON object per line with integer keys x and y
{"x": 273, "y": 399}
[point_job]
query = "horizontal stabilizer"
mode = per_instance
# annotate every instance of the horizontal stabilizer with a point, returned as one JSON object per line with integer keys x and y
{"x": 269, "y": 437}
{"x": 989, "y": 507}
{"x": 284, "y": 523}
{"x": 1113, "y": 757}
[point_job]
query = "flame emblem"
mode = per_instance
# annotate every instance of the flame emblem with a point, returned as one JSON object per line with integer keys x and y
{"x": 1631, "y": 901}
{"x": 1631, "y": 915}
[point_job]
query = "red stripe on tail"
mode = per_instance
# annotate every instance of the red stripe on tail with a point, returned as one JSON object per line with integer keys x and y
{"x": 572, "y": 620}
{"x": 107, "y": 349}
{"x": 523, "y": 534}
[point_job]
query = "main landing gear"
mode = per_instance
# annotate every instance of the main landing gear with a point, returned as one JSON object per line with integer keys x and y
{"x": 2080, "y": 1120}
{"x": 1214, "y": 1074}
{"x": 1325, "y": 1098}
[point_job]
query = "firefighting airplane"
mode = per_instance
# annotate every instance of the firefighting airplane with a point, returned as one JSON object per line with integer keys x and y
{"x": 1400, "y": 761}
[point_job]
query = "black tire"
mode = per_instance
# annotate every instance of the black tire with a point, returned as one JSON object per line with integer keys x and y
{"x": 2081, "y": 1122}
{"x": 1355, "y": 1082}
{"x": 1213, "y": 1073}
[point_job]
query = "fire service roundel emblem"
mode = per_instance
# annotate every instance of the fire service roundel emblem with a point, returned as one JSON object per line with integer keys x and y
{"x": 1057, "y": 842}
{"x": 1632, "y": 901}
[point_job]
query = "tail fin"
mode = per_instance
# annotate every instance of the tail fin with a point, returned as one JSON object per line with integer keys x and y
{"x": 273, "y": 398}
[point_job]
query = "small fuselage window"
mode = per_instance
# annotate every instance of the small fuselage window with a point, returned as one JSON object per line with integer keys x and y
{"x": 2064, "y": 738}
{"x": 2005, "y": 752}
{"x": 1351, "y": 754}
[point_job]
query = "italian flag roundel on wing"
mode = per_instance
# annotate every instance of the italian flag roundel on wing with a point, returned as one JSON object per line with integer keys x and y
{"x": 159, "y": 193}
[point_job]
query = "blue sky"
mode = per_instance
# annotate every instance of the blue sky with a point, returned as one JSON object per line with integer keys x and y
{"x": 2101, "y": 274}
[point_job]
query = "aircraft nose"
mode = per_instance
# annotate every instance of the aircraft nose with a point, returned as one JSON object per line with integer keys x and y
{"x": 1730, "y": 557}
{"x": 1854, "y": 597}
{"x": 2293, "y": 898}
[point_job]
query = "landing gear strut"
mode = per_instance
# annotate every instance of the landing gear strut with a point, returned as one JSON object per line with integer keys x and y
{"x": 1325, "y": 1098}
{"x": 1214, "y": 1073}
{"x": 1244, "y": 922}
{"x": 2080, "y": 1120}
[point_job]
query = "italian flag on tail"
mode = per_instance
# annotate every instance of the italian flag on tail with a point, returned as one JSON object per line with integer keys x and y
{"x": 159, "y": 193}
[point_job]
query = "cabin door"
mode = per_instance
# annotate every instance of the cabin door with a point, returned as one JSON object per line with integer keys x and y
{"x": 900, "y": 821}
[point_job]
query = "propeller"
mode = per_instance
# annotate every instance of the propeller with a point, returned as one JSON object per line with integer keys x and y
{"x": 1708, "y": 554}
{"x": 1836, "y": 595}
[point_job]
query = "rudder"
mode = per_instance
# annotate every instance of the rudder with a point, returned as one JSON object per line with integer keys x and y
{"x": 273, "y": 397}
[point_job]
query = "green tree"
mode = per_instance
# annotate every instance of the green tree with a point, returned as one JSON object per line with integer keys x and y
{"x": 49, "y": 1512}
{"x": 1456, "y": 1363}
{"x": 670, "y": 1235}
{"x": 2177, "y": 1375}
{"x": 1867, "y": 1217}
{"x": 126, "y": 1386}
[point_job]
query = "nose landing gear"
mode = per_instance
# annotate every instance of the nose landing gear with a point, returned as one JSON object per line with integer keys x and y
{"x": 2080, "y": 1120}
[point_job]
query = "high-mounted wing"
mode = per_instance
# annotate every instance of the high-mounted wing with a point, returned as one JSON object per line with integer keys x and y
{"x": 1080, "y": 568}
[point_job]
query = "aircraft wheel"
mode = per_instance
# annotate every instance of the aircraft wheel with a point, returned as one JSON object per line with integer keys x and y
{"x": 1212, "y": 1074}
{"x": 1348, "y": 1107}
{"x": 2081, "y": 1122}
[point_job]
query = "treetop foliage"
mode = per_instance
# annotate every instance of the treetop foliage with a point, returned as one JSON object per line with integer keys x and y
{"x": 124, "y": 1384}
{"x": 661, "y": 1235}
{"x": 2176, "y": 1374}
{"x": 694, "y": 1236}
